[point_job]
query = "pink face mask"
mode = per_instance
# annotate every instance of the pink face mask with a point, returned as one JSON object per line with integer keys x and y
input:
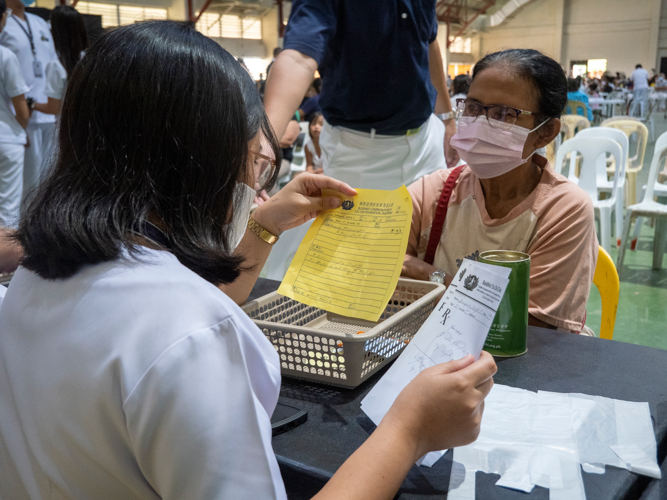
{"x": 490, "y": 151}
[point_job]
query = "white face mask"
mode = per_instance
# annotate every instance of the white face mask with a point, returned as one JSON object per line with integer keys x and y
{"x": 244, "y": 196}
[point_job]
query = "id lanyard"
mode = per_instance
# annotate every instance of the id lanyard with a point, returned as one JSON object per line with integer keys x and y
{"x": 36, "y": 64}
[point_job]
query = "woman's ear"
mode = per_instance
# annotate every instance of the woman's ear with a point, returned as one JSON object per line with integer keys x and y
{"x": 547, "y": 132}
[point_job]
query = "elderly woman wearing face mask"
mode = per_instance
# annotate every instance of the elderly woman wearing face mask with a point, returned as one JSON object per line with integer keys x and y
{"x": 508, "y": 196}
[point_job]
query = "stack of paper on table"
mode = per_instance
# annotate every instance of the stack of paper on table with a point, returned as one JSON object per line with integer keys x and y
{"x": 528, "y": 438}
{"x": 546, "y": 438}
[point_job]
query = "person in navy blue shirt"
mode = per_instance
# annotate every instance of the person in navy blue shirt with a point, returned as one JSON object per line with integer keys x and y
{"x": 382, "y": 81}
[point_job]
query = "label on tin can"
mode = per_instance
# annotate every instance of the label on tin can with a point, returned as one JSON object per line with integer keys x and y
{"x": 507, "y": 336}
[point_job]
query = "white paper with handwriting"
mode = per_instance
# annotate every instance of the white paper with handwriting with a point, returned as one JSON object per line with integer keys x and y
{"x": 458, "y": 326}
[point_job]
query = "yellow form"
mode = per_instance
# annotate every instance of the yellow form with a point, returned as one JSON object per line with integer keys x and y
{"x": 352, "y": 256}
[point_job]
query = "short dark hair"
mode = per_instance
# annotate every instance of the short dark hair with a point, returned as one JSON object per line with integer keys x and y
{"x": 544, "y": 73}
{"x": 314, "y": 118}
{"x": 69, "y": 35}
{"x": 638, "y": 66}
{"x": 572, "y": 85}
{"x": 461, "y": 84}
{"x": 155, "y": 125}
{"x": 3, "y": 7}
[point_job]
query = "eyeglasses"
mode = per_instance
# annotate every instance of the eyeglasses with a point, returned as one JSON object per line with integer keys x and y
{"x": 498, "y": 116}
{"x": 263, "y": 167}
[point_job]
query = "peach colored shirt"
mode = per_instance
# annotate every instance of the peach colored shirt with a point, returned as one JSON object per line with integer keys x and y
{"x": 555, "y": 225}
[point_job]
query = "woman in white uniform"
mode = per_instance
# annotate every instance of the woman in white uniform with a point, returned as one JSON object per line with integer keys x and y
{"x": 126, "y": 372}
{"x": 71, "y": 41}
{"x": 29, "y": 38}
{"x": 12, "y": 130}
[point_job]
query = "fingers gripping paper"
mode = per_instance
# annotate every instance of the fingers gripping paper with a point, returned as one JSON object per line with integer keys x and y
{"x": 458, "y": 326}
{"x": 351, "y": 258}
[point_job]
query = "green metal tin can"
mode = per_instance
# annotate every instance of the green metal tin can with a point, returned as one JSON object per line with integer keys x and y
{"x": 507, "y": 336}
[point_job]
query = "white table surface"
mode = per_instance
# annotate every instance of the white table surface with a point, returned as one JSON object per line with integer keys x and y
{"x": 600, "y": 100}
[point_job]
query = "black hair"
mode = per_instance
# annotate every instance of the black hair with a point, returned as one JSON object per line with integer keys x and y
{"x": 638, "y": 66}
{"x": 3, "y": 7}
{"x": 277, "y": 51}
{"x": 593, "y": 86}
{"x": 69, "y": 35}
{"x": 155, "y": 126}
{"x": 544, "y": 73}
{"x": 314, "y": 118}
{"x": 461, "y": 84}
{"x": 572, "y": 85}
{"x": 317, "y": 85}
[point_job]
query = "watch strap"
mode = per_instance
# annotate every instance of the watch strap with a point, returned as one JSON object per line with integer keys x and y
{"x": 447, "y": 116}
{"x": 261, "y": 233}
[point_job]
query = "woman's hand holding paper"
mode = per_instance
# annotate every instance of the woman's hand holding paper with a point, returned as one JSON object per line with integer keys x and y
{"x": 442, "y": 407}
{"x": 299, "y": 201}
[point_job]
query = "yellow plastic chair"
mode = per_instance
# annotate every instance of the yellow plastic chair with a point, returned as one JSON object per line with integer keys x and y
{"x": 635, "y": 163}
{"x": 571, "y": 124}
{"x": 575, "y": 106}
{"x": 607, "y": 282}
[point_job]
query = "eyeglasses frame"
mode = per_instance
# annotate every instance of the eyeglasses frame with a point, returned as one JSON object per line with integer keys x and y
{"x": 272, "y": 161}
{"x": 519, "y": 112}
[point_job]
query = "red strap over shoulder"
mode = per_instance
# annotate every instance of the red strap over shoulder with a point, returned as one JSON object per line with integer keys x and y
{"x": 441, "y": 214}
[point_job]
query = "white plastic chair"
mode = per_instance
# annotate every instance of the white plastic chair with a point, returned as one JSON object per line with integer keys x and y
{"x": 304, "y": 127}
{"x": 590, "y": 177}
{"x": 298, "y": 163}
{"x": 300, "y": 144}
{"x": 606, "y": 187}
{"x": 649, "y": 208}
{"x": 659, "y": 189}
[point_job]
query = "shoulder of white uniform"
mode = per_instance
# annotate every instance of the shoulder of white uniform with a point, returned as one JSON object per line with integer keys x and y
{"x": 35, "y": 18}
{"x": 178, "y": 286}
{"x": 55, "y": 65}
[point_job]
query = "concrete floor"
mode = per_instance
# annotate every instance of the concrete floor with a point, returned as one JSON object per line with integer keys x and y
{"x": 642, "y": 308}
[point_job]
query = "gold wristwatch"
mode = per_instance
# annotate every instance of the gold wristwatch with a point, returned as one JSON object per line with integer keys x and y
{"x": 261, "y": 232}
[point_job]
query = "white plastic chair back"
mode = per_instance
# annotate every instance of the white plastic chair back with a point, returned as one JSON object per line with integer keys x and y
{"x": 304, "y": 127}
{"x": 591, "y": 148}
{"x": 660, "y": 147}
{"x": 610, "y": 133}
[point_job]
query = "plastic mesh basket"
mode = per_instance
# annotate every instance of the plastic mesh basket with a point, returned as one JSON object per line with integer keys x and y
{"x": 317, "y": 345}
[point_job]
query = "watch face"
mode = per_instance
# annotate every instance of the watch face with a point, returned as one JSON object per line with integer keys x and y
{"x": 437, "y": 277}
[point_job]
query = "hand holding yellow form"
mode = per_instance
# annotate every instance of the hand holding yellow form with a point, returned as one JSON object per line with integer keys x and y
{"x": 352, "y": 256}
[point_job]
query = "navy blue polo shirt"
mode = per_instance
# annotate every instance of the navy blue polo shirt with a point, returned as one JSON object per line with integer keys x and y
{"x": 373, "y": 59}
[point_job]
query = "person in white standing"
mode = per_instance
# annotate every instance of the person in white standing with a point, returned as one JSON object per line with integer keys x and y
{"x": 12, "y": 130}
{"x": 71, "y": 41}
{"x": 640, "y": 91}
{"x": 29, "y": 38}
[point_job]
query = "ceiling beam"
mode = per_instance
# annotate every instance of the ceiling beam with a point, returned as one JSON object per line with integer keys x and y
{"x": 465, "y": 25}
{"x": 201, "y": 11}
